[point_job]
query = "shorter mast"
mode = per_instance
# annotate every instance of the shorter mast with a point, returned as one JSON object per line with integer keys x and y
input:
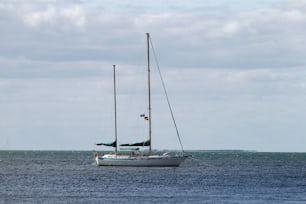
{"x": 115, "y": 108}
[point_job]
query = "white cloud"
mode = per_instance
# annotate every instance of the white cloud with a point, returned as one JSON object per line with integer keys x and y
{"x": 230, "y": 72}
{"x": 75, "y": 14}
{"x": 231, "y": 28}
{"x": 295, "y": 15}
{"x": 36, "y": 18}
{"x": 258, "y": 75}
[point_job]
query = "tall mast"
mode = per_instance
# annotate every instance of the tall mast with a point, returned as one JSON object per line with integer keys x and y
{"x": 149, "y": 91}
{"x": 115, "y": 108}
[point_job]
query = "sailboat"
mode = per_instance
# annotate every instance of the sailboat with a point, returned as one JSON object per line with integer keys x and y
{"x": 135, "y": 157}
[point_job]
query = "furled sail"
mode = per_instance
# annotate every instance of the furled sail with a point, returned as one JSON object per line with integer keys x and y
{"x": 113, "y": 144}
{"x": 139, "y": 144}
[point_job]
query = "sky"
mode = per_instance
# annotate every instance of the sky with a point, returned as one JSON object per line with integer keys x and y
{"x": 235, "y": 73}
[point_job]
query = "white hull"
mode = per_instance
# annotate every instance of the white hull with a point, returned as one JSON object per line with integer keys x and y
{"x": 141, "y": 161}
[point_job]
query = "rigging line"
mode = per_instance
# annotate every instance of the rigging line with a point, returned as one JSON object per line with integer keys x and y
{"x": 166, "y": 94}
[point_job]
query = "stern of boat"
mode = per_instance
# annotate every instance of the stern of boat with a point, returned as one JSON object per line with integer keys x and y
{"x": 96, "y": 157}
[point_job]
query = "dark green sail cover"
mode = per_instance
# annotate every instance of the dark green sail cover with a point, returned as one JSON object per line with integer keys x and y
{"x": 113, "y": 144}
{"x": 139, "y": 144}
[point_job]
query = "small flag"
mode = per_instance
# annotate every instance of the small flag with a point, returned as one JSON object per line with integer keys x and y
{"x": 144, "y": 116}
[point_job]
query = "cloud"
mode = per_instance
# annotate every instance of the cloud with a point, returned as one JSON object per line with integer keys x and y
{"x": 51, "y": 16}
{"x": 295, "y": 15}
{"x": 231, "y": 28}
{"x": 75, "y": 14}
{"x": 230, "y": 70}
{"x": 245, "y": 38}
{"x": 36, "y": 18}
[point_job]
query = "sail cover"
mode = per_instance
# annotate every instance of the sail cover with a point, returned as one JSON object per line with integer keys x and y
{"x": 113, "y": 144}
{"x": 139, "y": 144}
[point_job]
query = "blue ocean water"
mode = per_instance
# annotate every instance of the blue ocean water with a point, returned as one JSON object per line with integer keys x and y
{"x": 207, "y": 177}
